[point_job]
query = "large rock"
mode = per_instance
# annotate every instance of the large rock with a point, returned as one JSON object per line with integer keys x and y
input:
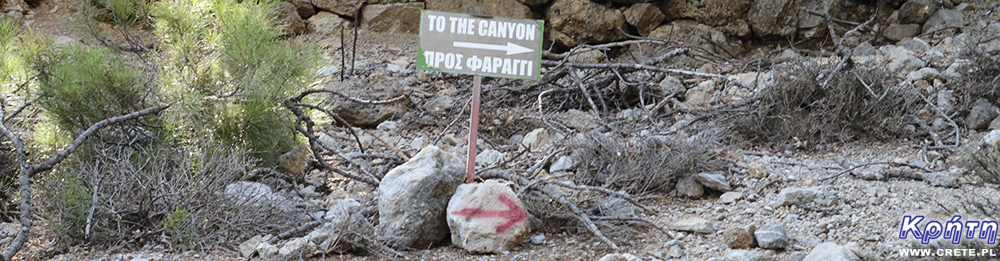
{"x": 576, "y": 22}
{"x": 902, "y": 61}
{"x": 714, "y": 180}
{"x": 691, "y": 33}
{"x": 304, "y": 8}
{"x": 917, "y": 11}
{"x": 288, "y": 20}
{"x": 830, "y": 251}
{"x": 772, "y": 237}
{"x": 413, "y": 198}
{"x": 785, "y": 18}
{"x": 710, "y": 12}
{"x": 348, "y": 8}
{"x": 505, "y": 8}
{"x": 944, "y": 18}
{"x": 487, "y": 218}
{"x": 796, "y": 196}
{"x": 326, "y": 23}
{"x": 896, "y": 32}
{"x": 644, "y": 17}
{"x": 694, "y": 224}
{"x": 392, "y": 18}
{"x": 981, "y": 114}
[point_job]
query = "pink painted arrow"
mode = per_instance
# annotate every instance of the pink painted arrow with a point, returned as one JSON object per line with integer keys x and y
{"x": 513, "y": 215}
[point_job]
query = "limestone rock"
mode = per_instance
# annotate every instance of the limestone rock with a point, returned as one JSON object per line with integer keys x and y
{"x": 942, "y": 179}
{"x": 347, "y": 8}
{"x": 578, "y": 120}
{"x": 288, "y": 20}
{"x": 576, "y": 22}
{"x": 413, "y": 198}
{"x": 694, "y": 224}
{"x": 326, "y": 23}
{"x": 772, "y": 237}
{"x": 672, "y": 86}
{"x": 730, "y": 197}
{"x": 299, "y": 247}
{"x": 796, "y": 196}
{"x": 688, "y": 187}
{"x": 253, "y": 194}
{"x": 714, "y": 180}
{"x": 563, "y": 164}
{"x": 644, "y": 16}
{"x": 620, "y": 257}
{"x": 392, "y": 18}
{"x": 294, "y": 161}
{"x": 944, "y": 18}
{"x": 981, "y": 114}
{"x": 504, "y": 8}
{"x": 709, "y": 12}
{"x": 611, "y": 206}
{"x": 340, "y": 209}
{"x": 785, "y": 18}
{"x": 896, "y": 32}
{"x": 917, "y": 11}
{"x": 740, "y": 237}
{"x": 536, "y": 139}
{"x": 915, "y": 45}
{"x": 488, "y": 157}
{"x": 304, "y": 8}
{"x": 487, "y": 218}
{"x": 830, "y": 251}
{"x": 249, "y": 247}
{"x": 692, "y": 33}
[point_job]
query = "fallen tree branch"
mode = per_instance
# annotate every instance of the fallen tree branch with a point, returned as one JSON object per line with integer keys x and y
{"x": 647, "y": 67}
{"x": 27, "y": 170}
{"x": 315, "y": 145}
{"x": 348, "y": 97}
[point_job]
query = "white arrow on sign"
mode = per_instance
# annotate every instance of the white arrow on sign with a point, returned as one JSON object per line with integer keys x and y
{"x": 511, "y": 48}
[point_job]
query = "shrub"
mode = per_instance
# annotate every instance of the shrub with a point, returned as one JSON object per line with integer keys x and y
{"x": 232, "y": 70}
{"x": 127, "y": 12}
{"x": 642, "y": 164}
{"x": 983, "y": 78}
{"x": 856, "y": 102}
{"x": 123, "y": 195}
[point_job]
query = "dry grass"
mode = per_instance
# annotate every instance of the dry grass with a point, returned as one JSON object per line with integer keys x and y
{"x": 856, "y": 103}
{"x": 125, "y": 196}
{"x": 643, "y": 164}
{"x": 984, "y": 80}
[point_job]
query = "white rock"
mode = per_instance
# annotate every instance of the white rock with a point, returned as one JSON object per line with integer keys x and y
{"x": 564, "y": 163}
{"x": 694, "y": 224}
{"x": 297, "y": 247}
{"x": 689, "y": 187}
{"x": 620, "y": 257}
{"x": 340, "y": 209}
{"x": 536, "y": 139}
{"x": 249, "y": 247}
{"x": 772, "y": 237}
{"x": 796, "y": 196}
{"x": 830, "y": 251}
{"x": 413, "y": 198}
{"x": 488, "y": 157}
{"x": 730, "y": 197}
{"x": 388, "y": 126}
{"x": 266, "y": 250}
{"x": 487, "y": 218}
{"x": 254, "y": 194}
{"x": 713, "y": 180}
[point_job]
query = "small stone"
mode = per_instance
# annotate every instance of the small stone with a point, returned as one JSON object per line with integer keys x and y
{"x": 941, "y": 179}
{"x": 615, "y": 207}
{"x": 676, "y": 252}
{"x": 388, "y": 126}
{"x": 740, "y": 237}
{"x": 730, "y": 197}
{"x": 620, "y": 257}
{"x": 488, "y": 157}
{"x": 538, "y": 239}
{"x": 796, "y": 196}
{"x": 563, "y": 164}
{"x": 713, "y": 180}
{"x": 536, "y": 139}
{"x": 772, "y": 237}
{"x": 981, "y": 114}
{"x": 690, "y": 188}
{"x": 694, "y": 224}
{"x": 294, "y": 161}
{"x": 249, "y": 247}
{"x": 830, "y": 251}
{"x": 896, "y": 32}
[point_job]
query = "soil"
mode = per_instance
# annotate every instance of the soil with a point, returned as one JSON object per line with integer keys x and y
{"x": 867, "y": 213}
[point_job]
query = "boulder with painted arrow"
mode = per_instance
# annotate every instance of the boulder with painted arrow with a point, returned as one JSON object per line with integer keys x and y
{"x": 487, "y": 218}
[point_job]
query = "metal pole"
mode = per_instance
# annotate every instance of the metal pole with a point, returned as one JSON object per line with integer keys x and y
{"x": 473, "y": 128}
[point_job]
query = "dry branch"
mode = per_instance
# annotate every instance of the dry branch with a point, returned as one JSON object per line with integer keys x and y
{"x": 27, "y": 170}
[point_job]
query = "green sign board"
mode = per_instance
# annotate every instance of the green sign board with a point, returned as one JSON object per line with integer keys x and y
{"x": 481, "y": 45}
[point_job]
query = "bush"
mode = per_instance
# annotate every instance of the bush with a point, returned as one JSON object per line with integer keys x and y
{"x": 232, "y": 70}
{"x": 857, "y": 102}
{"x": 643, "y": 164}
{"x": 983, "y": 160}
{"x": 127, "y": 12}
{"x": 88, "y": 85}
{"x": 123, "y": 195}
{"x": 984, "y": 78}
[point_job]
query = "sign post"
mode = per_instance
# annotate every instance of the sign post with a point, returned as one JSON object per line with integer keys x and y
{"x": 479, "y": 45}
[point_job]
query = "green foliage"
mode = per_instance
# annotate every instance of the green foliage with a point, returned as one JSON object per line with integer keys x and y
{"x": 90, "y": 85}
{"x": 128, "y": 12}
{"x": 231, "y": 69}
